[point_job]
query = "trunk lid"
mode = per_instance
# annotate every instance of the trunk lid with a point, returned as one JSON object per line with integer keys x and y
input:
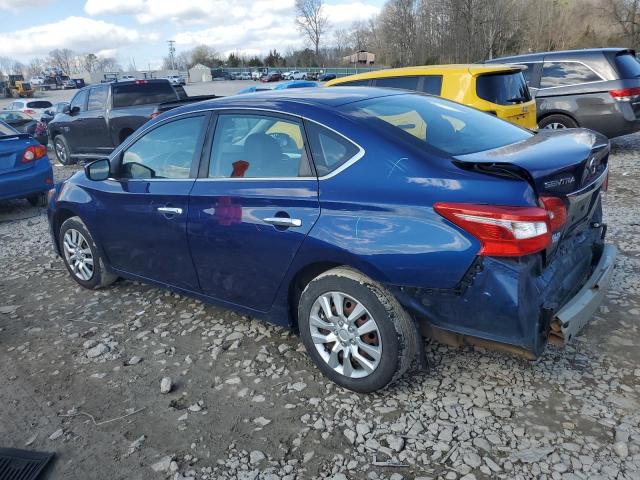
{"x": 12, "y": 148}
{"x": 571, "y": 165}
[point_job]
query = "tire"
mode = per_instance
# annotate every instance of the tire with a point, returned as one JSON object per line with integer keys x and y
{"x": 39, "y": 199}
{"x": 74, "y": 233}
{"x": 62, "y": 151}
{"x": 557, "y": 122}
{"x": 390, "y": 343}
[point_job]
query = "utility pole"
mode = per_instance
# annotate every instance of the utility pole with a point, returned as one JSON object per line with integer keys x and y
{"x": 172, "y": 53}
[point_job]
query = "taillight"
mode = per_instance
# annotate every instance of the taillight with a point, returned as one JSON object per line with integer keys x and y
{"x": 29, "y": 111}
{"x": 140, "y": 82}
{"x": 33, "y": 153}
{"x": 502, "y": 231}
{"x": 557, "y": 212}
{"x": 625, "y": 94}
{"x": 605, "y": 185}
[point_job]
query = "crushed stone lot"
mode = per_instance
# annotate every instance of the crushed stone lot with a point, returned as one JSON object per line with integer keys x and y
{"x": 135, "y": 382}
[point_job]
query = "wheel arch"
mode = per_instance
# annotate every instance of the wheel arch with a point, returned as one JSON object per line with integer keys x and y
{"x": 57, "y": 219}
{"x": 564, "y": 113}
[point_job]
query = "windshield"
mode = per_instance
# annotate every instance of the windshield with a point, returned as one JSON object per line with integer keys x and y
{"x": 442, "y": 124}
{"x": 505, "y": 88}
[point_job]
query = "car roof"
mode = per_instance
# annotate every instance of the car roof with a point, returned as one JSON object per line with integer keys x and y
{"x": 583, "y": 52}
{"x": 293, "y": 99}
{"x": 453, "y": 69}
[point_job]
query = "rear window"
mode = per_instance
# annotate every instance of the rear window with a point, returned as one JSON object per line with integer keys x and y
{"x": 143, "y": 94}
{"x": 506, "y": 88}
{"x": 39, "y": 104}
{"x": 628, "y": 66}
{"x": 6, "y": 130}
{"x": 442, "y": 124}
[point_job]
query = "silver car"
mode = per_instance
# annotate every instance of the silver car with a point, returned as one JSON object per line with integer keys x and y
{"x": 592, "y": 88}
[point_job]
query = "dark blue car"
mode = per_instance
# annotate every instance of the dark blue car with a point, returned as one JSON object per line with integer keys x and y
{"x": 360, "y": 217}
{"x": 25, "y": 170}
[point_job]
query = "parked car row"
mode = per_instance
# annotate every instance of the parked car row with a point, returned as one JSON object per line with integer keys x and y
{"x": 310, "y": 208}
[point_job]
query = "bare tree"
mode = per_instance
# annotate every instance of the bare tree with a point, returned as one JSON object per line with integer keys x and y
{"x": 311, "y": 21}
{"x": 62, "y": 58}
{"x": 626, "y": 14}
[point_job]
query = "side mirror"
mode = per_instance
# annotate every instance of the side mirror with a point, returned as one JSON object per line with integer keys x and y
{"x": 98, "y": 170}
{"x": 66, "y": 109}
{"x": 74, "y": 110}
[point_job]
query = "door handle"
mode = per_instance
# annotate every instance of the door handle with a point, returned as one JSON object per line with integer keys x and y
{"x": 284, "y": 221}
{"x": 170, "y": 210}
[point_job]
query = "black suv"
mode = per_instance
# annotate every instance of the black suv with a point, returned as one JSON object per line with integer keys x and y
{"x": 592, "y": 88}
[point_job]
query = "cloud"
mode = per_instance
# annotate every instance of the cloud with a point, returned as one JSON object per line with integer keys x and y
{"x": 21, "y": 5}
{"x": 76, "y": 33}
{"x": 261, "y": 25}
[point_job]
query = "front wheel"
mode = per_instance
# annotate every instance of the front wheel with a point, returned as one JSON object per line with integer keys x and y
{"x": 355, "y": 330}
{"x": 81, "y": 256}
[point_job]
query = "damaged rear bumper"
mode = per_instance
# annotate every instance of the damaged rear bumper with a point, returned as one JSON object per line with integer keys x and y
{"x": 573, "y": 316}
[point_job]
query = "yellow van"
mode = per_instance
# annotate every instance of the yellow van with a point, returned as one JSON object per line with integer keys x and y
{"x": 500, "y": 90}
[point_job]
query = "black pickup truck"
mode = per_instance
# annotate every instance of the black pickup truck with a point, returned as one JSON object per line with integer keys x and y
{"x": 100, "y": 117}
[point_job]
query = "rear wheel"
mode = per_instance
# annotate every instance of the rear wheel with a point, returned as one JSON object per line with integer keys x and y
{"x": 81, "y": 256}
{"x": 557, "y": 122}
{"x": 355, "y": 330}
{"x": 63, "y": 154}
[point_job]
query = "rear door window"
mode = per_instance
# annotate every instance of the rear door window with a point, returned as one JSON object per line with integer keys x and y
{"x": 628, "y": 66}
{"x": 432, "y": 84}
{"x": 258, "y": 146}
{"x": 355, "y": 83}
{"x": 405, "y": 83}
{"x": 329, "y": 150}
{"x": 560, "y": 74}
{"x": 528, "y": 72}
{"x": 142, "y": 93}
{"x": 505, "y": 88}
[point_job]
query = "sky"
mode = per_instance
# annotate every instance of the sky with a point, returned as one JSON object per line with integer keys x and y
{"x": 138, "y": 30}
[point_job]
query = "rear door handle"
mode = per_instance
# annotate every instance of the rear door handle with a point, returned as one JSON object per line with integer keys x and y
{"x": 283, "y": 221}
{"x": 170, "y": 210}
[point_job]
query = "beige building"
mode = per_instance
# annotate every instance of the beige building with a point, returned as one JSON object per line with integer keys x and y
{"x": 361, "y": 57}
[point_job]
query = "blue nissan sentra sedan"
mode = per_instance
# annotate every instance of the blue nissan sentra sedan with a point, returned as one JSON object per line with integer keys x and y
{"x": 25, "y": 170}
{"x": 362, "y": 218}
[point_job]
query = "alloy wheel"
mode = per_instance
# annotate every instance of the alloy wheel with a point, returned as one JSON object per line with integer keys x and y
{"x": 61, "y": 151}
{"x": 345, "y": 335}
{"x": 555, "y": 126}
{"x": 78, "y": 254}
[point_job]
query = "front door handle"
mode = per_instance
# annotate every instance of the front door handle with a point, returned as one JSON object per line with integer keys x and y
{"x": 284, "y": 221}
{"x": 170, "y": 210}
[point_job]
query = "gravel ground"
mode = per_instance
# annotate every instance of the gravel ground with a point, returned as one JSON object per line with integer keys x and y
{"x": 82, "y": 374}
